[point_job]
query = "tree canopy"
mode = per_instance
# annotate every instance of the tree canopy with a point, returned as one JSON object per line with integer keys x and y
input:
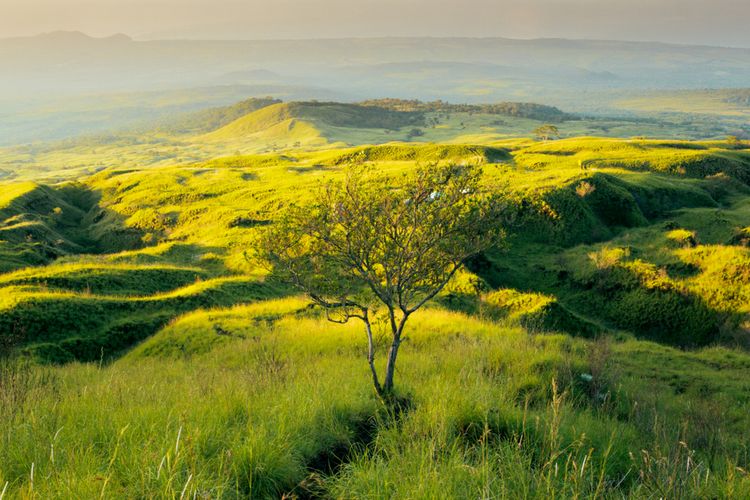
{"x": 547, "y": 132}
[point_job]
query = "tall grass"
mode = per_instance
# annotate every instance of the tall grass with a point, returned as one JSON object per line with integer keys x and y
{"x": 283, "y": 407}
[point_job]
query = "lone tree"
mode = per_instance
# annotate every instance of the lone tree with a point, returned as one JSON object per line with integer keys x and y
{"x": 547, "y": 132}
{"x": 734, "y": 142}
{"x": 369, "y": 244}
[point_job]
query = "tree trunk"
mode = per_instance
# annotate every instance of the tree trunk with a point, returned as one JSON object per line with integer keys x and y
{"x": 390, "y": 367}
{"x": 371, "y": 355}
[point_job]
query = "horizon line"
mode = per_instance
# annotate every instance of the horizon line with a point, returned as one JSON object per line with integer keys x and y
{"x": 137, "y": 39}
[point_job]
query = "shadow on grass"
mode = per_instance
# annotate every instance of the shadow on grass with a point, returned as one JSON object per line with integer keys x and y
{"x": 632, "y": 296}
{"x": 330, "y": 460}
{"x": 74, "y": 314}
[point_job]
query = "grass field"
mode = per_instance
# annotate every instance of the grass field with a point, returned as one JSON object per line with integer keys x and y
{"x": 602, "y": 354}
{"x": 281, "y": 405}
{"x": 730, "y": 103}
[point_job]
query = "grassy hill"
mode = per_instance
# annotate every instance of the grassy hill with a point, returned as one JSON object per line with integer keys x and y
{"x": 575, "y": 199}
{"x": 214, "y": 118}
{"x": 603, "y": 353}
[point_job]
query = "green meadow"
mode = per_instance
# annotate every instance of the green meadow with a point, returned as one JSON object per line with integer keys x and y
{"x": 601, "y": 353}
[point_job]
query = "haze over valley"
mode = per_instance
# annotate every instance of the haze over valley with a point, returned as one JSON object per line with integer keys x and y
{"x": 62, "y": 84}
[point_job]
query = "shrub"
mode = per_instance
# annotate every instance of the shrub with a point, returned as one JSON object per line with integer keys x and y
{"x": 584, "y": 188}
{"x": 682, "y": 237}
{"x": 608, "y": 257}
{"x": 741, "y": 237}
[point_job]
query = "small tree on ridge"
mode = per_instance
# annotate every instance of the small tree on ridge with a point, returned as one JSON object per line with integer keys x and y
{"x": 547, "y": 132}
{"x": 369, "y": 244}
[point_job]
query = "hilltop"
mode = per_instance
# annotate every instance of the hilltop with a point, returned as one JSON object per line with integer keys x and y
{"x": 517, "y": 109}
{"x": 214, "y": 118}
{"x": 309, "y": 124}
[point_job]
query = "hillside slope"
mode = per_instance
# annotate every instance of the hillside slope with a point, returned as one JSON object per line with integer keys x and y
{"x": 40, "y": 223}
{"x": 309, "y": 124}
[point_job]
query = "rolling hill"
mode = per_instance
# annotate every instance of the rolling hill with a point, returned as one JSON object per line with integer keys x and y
{"x": 265, "y": 125}
{"x": 571, "y": 195}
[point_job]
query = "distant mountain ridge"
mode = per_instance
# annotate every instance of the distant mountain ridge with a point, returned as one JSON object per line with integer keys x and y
{"x": 193, "y": 61}
{"x": 555, "y": 41}
{"x": 71, "y": 36}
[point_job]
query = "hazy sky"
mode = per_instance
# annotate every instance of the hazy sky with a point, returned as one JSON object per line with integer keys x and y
{"x": 713, "y": 22}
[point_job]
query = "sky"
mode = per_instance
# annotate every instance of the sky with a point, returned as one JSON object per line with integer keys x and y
{"x": 706, "y": 22}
